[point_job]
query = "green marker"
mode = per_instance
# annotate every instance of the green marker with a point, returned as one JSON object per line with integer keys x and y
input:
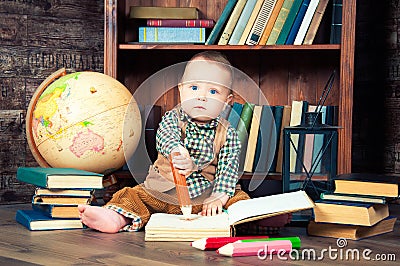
{"x": 294, "y": 239}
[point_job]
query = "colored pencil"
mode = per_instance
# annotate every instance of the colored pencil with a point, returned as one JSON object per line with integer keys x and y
{"x": 296, "y": 242}
{"x": 214, "y": 243}
{"x": 241, "y": 249}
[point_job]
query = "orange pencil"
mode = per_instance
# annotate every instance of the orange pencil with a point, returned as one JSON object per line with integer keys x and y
{"x": 182, "y": 190}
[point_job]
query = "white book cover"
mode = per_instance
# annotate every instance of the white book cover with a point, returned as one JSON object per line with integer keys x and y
{"x": 306, "y": 22}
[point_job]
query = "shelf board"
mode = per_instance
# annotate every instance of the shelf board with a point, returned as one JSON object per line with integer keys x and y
{"x": 137, "y": 46}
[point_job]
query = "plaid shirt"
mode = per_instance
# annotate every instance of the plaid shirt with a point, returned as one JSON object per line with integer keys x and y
{"x": 199, "y": 142}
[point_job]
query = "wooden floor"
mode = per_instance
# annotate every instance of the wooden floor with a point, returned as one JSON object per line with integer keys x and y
{"x": 19, "y": 246}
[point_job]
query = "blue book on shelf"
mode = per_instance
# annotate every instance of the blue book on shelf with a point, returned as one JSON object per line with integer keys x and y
{"x": 35, "y": 220}
{"x": 171, "y": 35}
{"x": 297, "y": 22}
{"x": 212, "y": 38}
{"x": 242, "y": 22}
{"x": 234, "y": 115}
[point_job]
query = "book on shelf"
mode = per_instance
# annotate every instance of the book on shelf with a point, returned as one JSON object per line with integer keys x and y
{"x": 297, "y": 118}
{"x": 34, "y": 221}
{"x": 172, "y": 227}
{"x": 278, "y": 116}
{"x": 291, "y": 16}
{"x": 171, "y": 35}
{"x": 354, "y": 197}
{"x": 250, "y": 22}
{"x": 297, "y": 22}
{"x": 64, "y": 192}
{"x": 279, "y": 22}
{"x": 252, "y": 141}
{"x": 309, "y": 146}
{"x": 261, "y": 21}
{"x": 348, "y": 231}
{"x": 60, "y": 178}
{"x": 367, "y": 184}
{"x": 318, "y": 145}
{"x": 242, "y": 22}
{"x": 301, "y": 33}
{"x": 161, "y": 12}
{"x": 60, "y": 200}
{"x": 315, "y": 22}
{"x": 287, "y": 110}
{"x": 243, "y": 129}
{"x": 234, "y": 115}
{"x": 336, "y": 25}
{"x": 182, "y": 23}
{"x": 265, "y": 142}
{"x": 271, "y": 21}
{"x": 57, "y": 210}
{"x": 231, "y": 23}
{"x": 153, "y": 115}
{"x": 345, "y": 212}
{"x": 219, "y": 25}
{"x": 226, "y": 112}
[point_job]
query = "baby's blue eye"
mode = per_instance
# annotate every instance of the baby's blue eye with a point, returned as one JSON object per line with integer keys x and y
{"x": 213, "y": 91}
{"x": 194, "y": 88}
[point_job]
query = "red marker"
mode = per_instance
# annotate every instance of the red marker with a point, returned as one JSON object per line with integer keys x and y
{"x": 214, "y": 243}
{"x": 240, "y": 249}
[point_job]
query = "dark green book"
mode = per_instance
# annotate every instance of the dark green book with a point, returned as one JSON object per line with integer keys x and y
{"x": 59, "y": 177}
{"x": 278, "y": 114}
{"x": 243, "y": 129}
{"x": 336, "y": 25}
{"x": 289, "y": 22}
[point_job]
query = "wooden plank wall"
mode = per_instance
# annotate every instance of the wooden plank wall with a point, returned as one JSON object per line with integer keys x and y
{"x": 36, "y": 39}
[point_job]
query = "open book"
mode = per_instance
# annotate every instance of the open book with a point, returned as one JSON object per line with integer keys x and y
{"x": 172, "y": 227}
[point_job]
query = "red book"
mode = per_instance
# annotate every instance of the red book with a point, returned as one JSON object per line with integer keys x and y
{"x": 214, "y": 243}
{"x": 188, "y": 23}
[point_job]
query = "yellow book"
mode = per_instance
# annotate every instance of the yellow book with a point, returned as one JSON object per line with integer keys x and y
{"x": 230, "y": 25}
{"x": 251, "y": 21}
{"x": 252, "y": 142}
{"x": 271, "y": 22}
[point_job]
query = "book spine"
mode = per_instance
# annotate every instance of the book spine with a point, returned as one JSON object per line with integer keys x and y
{"x": 297, "y": 22}
{"x": 280, "y": 21}
{"x": 306, "y": 22}
{"x": 289, "y": 22}
{"x": 278, "y": 114}
{"x": 171, "y": 35}
{"x": 301, "y": 144}
{"x": 234, "y": 115}
{"x": 188, "y": 23}
{"x": 271, "y": 22}
{"x": 242, "y": 129}
{"x": 24, "y": 174}
{"x": 261, "y": 22}
{"x": 230, "y": 25}
{"x": 212, "y": 38}
{"x": 336, "y": 26}
{"x": 250, "y": 23}
{"x": 253, "y": 136}
{"x": 285, "y": 122}
{"x": 242, "y": 22}
{"x": 315, "y": 22}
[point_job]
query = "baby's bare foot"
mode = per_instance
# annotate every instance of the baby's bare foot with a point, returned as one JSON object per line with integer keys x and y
{"x": 102, "y": 219}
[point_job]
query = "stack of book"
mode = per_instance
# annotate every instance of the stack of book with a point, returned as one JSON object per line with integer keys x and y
{"x": 357, "y": 208}
{"x": 57, "y": 195}
{"x": 255, "y": 22}
{"x": 170, "y": 24}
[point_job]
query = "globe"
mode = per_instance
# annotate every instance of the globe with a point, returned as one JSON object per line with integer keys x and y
{"x": 83, "y": 120}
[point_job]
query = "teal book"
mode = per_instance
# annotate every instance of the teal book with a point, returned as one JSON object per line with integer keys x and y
{"x": 289, "y": 22}
{"x": 242, "y": 22}
{"x": 234, "y": 115}
{"x": 297, "y": 22}
{"x": 34, "y": 221}
{"x": 59, "y": 177}
{"x": 265, "y": 148}
{"x": 171, "y": 35}
{"x": 216, "y": 31}
{"x": 336, "y": 25}
{"x": 278, "y": 115}
{"x": 243, "y": 130}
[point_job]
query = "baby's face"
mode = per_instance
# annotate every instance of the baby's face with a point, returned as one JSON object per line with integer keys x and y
{"x": 205, "y": 89}
{"x": 203, "y": 101}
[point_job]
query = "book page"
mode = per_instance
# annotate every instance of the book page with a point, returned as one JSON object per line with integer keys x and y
{"x": 269, "y": 206}
{"x": 166, "y": 221}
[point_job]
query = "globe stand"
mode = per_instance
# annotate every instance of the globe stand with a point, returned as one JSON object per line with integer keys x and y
{"x": 29, "y": 115}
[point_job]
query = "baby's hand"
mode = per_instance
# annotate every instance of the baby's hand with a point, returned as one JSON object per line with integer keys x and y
{"x": 214, "y": 204}
{"x": 183, "y": 161}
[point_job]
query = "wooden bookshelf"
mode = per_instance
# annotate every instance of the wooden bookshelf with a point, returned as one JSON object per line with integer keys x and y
{"x": 283, "y": 72}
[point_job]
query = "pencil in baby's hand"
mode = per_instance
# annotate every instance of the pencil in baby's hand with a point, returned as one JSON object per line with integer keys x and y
{"x": 181, "y": 189}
